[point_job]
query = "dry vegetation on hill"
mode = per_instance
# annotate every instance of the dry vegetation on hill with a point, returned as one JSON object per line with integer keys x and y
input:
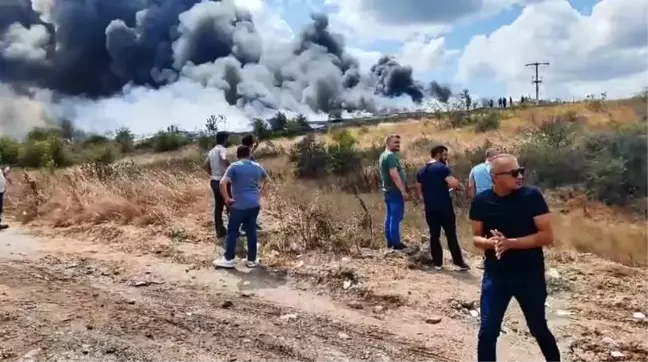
{"x": 322, "y": 221}
{"x": 167, "y": 193}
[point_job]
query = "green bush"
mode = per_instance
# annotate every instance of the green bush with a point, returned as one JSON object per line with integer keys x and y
{"x": 261, "y": 129}
{"x": 9, "y": 149}
{"x": 34, "y": 154}
{"x": 170, "y": 140}
{"x": 343, "y": 157}
{"x": 309, "y": 157}
{"x": 487, "y": 121}
{"x": 551, "y": 155}
{"x": 125, "y": 139}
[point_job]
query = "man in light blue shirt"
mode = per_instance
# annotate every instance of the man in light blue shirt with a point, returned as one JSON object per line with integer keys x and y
{"x": 248, "y": 179}
{"x": 480, "y": 177}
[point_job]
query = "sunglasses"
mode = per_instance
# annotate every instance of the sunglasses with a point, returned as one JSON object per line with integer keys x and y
{"x": 513, "y": 173}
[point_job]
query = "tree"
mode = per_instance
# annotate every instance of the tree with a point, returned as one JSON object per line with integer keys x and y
{"x": 278, "y": 122}
{"x": 466, "y": 99}
{"x": 261, "y": 129}
{"x": 125, "y": 138}
{"x": 213, "y": 122}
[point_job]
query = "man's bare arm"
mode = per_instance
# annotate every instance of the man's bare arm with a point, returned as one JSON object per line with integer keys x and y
{"x": 207, "y": 166}
{"x": 479, "y": 240}
{"x": 453, "y": 183}
{"x": 224, "y": 161}
{"x": 395, "y": 176}
{"x": 223, "y": 188}
{"x": 471, "y": 186}
{"x": 544, "y": 236}
{"x": 419, "y": 189}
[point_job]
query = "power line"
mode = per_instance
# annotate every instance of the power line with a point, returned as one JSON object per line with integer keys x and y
{"x": 537, "y": 79}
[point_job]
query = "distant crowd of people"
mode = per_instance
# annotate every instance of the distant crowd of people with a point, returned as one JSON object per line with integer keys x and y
{"x": 511, "y": 223}
{"x": 503, "y": 102}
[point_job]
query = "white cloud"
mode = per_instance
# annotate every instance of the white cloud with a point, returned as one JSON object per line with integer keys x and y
{"x": 424, "y": 53}
{"x": 398, "y": 20}
{"x": 603, "y": 52}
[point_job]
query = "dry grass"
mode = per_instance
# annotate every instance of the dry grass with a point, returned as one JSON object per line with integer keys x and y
{"x": 169, "y": 195}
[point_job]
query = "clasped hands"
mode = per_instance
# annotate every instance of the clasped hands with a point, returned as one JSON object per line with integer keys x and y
{"x": 500, "y": 242}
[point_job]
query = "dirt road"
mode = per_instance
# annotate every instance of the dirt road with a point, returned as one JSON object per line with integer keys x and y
{"x": 63, "y": 299}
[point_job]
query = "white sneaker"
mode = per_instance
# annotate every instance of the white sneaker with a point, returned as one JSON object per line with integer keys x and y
{"x": 224, "y": 263}
{"x": 252, "y": 264}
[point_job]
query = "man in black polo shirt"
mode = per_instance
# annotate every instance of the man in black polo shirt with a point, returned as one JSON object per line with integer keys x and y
{"x": 434, "y": 182}
{"x": 511, "y": 223}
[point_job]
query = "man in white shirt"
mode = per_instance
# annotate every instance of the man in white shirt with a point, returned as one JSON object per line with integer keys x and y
{"x": 215, "y": 164}
{"x": 3, "y": 188}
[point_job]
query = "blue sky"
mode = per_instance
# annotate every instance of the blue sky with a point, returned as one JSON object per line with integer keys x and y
{"x": 485, "y": 48}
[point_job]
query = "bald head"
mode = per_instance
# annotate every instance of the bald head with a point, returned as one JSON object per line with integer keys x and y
{"x": 503, "y": 163}
{"x": 491, "y": 152}
{"x": 507, "y": 173}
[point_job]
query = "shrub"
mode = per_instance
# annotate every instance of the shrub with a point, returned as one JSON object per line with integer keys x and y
{"x": 551, "y": 154}
{"x": 170, "y": 140}
{"x": 278, "y": 122}
{"x": 261, "y": 129}
{"x": 309, "y": 157}
{"x": 125, "y": 139}
{"x": 34, "y": 154}
{"x": 9, "y": 149}
{"x": 487, "y": 121}
{"x": 343, "y": 156}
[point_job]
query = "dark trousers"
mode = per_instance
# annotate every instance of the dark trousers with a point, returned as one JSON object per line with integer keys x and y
{"x": 443, "y": 219}
{"x": 246, "y": 218}
{"x": 531, "y": 292}
{"x": 219, "y": 206}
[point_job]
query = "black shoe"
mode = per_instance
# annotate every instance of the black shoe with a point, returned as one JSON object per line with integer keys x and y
{"x": 463, "y": 266}
{"x": 221, "y": 233}
{"x": 400, "y": 246}
{"x": 4, "y": 226}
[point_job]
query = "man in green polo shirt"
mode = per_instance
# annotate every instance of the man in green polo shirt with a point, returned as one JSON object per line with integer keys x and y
{"x": 392, "y": 175}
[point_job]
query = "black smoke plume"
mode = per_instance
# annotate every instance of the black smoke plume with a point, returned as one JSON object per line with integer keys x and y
{"x": 92, "y": 49}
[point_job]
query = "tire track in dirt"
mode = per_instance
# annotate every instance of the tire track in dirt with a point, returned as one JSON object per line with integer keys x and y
{"x": 68, "y": 313}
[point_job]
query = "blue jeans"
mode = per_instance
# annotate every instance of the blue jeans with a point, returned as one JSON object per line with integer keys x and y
{"x": 393, "y": 217}
{"x": 530, "y": 290}
{"x": 248, "y": 219}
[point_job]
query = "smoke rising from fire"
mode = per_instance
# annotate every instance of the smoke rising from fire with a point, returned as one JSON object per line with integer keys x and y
{"x": 150, "y": 63}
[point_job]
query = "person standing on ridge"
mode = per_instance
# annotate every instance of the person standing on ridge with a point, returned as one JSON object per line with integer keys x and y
{"x": 3, "y": 188}
{"x": 511, "y": 222}
{"x": 392, "y": 175}
{"x": 251, "y": 142}
{"x": 215, "y": 164}
{"x": 248, "y": 180}
{"x": 434, "y": 182}
{"x": 480, "y": 178}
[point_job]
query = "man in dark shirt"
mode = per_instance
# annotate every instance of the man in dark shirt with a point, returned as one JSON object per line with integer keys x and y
{"x": 511, "y": 223}
{"x": 434, "y": 183}
{"x": 252, "y": 143}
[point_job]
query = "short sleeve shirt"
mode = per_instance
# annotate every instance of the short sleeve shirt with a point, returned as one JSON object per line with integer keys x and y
{"x": 246, "y": 177}
{"x": 387, "y": 161}
{"x": 512, "y": 215}
{"x": 436, "y": 193}
{"x": 215, "y": 156}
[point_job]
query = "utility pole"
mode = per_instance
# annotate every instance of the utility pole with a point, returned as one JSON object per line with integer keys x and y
{"x": 537, "y": 79}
